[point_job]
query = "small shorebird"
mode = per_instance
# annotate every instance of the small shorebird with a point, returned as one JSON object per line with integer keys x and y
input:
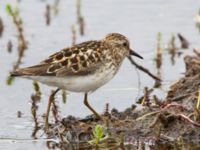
{"x": 81, "y": 68}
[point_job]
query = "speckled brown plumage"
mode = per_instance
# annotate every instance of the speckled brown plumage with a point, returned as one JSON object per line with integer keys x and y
{"x": 81, "y": 68}
{"x": 82, "y": 59}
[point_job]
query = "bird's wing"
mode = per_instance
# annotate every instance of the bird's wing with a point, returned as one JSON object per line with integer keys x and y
{"x": 80, "y": 59}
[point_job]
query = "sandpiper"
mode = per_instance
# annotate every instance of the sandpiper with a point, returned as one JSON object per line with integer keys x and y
{"x": 81, "y": 68}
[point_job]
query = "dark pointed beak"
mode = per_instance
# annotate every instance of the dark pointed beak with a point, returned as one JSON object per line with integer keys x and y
{"x": 135, "y": 54}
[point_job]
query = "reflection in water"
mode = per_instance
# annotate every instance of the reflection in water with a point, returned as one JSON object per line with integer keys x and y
{"x": 158, "y": 60}
{"x": 137, "y": 145}
{"x": 9, "y": 46}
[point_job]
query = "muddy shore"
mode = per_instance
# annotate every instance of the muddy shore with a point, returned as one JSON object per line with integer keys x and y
{"x": 172, "y": 122}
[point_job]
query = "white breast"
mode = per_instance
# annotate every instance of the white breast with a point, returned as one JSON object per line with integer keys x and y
{"x": 78, "y": 83}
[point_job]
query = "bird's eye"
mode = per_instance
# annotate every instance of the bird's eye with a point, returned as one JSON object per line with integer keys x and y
{"x": 124, "y": 44}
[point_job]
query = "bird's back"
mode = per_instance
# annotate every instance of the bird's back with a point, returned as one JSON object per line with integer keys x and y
{"x": 83, "y": 67}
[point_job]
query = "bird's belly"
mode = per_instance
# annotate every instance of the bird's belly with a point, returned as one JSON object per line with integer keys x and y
{"x": 77, "y": 83}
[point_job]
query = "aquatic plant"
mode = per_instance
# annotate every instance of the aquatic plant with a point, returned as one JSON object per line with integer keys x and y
{"x": 172, "y": 48}
{"x": 158, "y": 59}
{"x": 64, "y": 96}
{"x": 22, "y": 43}
{"x": 73, "y": 31}
{"x": 35, "y": 98}
{"x": 48, "y": 15}
{"x": 1, "y": 27}
{"x": 80, "y": 19}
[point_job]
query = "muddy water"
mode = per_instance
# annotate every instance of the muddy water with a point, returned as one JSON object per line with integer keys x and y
{"x": 139, "y": 20}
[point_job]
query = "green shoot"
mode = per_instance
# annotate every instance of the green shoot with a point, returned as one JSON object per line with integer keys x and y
{"x": 198, "y": 101}
{"x": 9, "y": 9}
{"x": 98, "y": 135}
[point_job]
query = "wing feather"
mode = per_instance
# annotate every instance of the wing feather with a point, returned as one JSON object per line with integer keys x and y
{"x": 80, "y": 59}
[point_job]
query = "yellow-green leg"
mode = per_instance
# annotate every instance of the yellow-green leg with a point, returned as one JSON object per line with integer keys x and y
{"x": 88, "y": 106}
{"x": 51, "y": 98}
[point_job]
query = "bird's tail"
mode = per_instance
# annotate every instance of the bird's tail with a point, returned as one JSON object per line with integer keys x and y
{"x": 37, "y": 70}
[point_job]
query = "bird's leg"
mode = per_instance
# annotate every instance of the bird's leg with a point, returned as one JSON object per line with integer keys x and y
{"x": 51, "y": 97}
{"x": 88, "y": 105}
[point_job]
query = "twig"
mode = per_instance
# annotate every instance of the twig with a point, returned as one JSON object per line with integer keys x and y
{"x": 188, "y": 119}
{"x": 143, "y": 69}
{"x": 146, "y": 115}
{"x": 179, "y": 106}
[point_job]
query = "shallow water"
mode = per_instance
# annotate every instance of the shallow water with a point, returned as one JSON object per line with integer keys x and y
{"x": 139, "y": 20}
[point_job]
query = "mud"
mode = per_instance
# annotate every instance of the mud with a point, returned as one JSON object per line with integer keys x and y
{"x": 172, "y": 123}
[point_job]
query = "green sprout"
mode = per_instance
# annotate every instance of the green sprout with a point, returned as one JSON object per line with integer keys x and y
{"x": 98, "y": 135}
{"x": 198, "y": 101}
{"x": 9, "y": 9}
{"x": 103, "y": 139}
{"x": 196, "y": 109}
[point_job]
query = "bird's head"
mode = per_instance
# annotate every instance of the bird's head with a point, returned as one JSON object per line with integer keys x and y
{"x": 122, "y": 44}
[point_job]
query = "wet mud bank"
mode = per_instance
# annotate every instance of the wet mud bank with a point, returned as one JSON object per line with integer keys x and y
{"x": 173, "y": 123}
